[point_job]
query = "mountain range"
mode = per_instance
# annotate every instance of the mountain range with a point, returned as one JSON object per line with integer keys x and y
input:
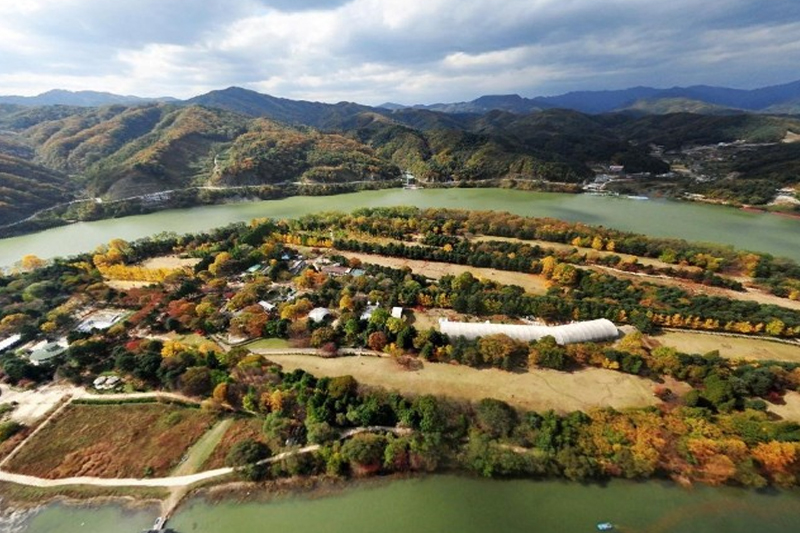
{"x": 235, "y": 137}
{"x": 784, "y": 99}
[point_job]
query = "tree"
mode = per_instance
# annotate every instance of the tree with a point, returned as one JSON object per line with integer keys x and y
{"x": 546, "y": 353}
{"x": 196, "y": 381}
{"x": 502, "y": 351}
{"x": 495, "y": 418}
{"x": 365, "y": 451}
{"x": 244, "y": 455}
{"x": 377, "y": 341}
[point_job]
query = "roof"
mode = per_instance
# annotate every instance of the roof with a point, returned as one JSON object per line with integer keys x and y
{"x": 397, "y": 312}
{"x": 47, "y": 352}
{"x": 591, "y": 330}
{"x": 8, "y": 342}
{"x": 318, "y": 314}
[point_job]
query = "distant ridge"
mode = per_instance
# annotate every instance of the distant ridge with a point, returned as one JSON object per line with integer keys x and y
{"x": 777, "y": 98}
{"x": 78, "y": 98}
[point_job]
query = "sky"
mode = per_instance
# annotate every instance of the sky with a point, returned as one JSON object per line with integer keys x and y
{"x": 404, "y": 51}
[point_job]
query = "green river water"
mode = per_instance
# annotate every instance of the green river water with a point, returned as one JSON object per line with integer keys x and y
{"x": 697, "y": 222}
{"x": 445, "y": 504}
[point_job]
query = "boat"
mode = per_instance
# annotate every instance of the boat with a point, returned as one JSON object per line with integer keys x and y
{"x": 605, "y": 526}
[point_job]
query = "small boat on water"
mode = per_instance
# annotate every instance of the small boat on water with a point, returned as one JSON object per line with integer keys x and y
{"x": 605, "y": 526}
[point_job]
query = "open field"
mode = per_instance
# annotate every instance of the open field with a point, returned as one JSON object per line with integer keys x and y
{"x": 268, "y": 344}
{"x": 530, "y": 282}
{"x": 170, "y": 261}
{"x": 33, "y": 403}
{"x": 112, "y": 441}
{"x": 790, "y": 409}
{"x": 536, "y": 390}
{"x": 239, "y": 430}
{"x": 730, "y": 347}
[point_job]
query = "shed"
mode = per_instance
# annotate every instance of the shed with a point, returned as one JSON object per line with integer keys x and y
{"x": 397, "y": 312}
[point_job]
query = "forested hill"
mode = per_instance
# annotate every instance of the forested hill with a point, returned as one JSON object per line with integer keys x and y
{"x": 243, "y": 139}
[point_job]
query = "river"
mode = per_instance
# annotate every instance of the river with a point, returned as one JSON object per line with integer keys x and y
{"x": 696, "y": 222}
{"x": 445, "y": 504}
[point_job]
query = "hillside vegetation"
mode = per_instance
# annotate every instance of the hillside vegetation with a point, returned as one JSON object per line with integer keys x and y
{"x": 241, "y": 139}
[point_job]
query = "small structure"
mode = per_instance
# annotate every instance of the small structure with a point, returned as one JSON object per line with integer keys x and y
{"x": 101, "y": 320}
{"x": 45, "y": 351}
{"x": 267, "y": 306}
{"x": 397, "y": 312}
{"x": 371, "y": 308}
{"x": 108, "y": 382}
{"x": 318, "y": 314}
{"x": 9, "y": 342}
{"x": 588, "y": 331}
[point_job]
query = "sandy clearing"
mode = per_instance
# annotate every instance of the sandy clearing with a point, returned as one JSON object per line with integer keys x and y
{"x": 791, "y": 137}
{"x": 121, "y": 285}
{"x": 730, "y": 347}
{"x": 170, "y": 261}
{"x": 531, "y": 283}
{"x": 34, "y": 403}
{"x": 536, "y": 390}
{"x": 790, "y": 410}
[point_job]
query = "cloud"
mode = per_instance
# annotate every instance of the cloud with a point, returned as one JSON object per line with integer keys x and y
{"x": 403, "y": 50}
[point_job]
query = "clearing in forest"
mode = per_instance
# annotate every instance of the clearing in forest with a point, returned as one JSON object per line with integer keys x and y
{"x": 730, "y": 347}
{"x": 532, "y": 283}
{"x": 538, "y": 389}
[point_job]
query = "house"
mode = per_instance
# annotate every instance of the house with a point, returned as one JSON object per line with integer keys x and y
{"x": 336, "y": 270}
{"x": 318, "y": 314}
{"x": 45, "y": 351}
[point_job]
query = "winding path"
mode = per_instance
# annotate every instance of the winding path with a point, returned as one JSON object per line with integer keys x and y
{"x": 179, "y": 481}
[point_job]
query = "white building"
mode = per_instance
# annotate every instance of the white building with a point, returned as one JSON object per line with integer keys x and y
{"x": 318, "y": 314}
{"x": 589, "y": 331}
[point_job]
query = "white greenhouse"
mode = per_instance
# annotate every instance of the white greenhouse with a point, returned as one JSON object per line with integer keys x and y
{"x": 588, "y": 331}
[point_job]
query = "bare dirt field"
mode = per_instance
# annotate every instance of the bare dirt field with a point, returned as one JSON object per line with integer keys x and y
{"x": 730, "y": 347}
{"x": 112, "y": 441}
{"x": 170, "y": 261}
{"x": 536, "y": 390}
{"x": 790, "y": 410}
{"x": 33, "y": 404}
{"x": 121, "y": 285}
{"x": 531, "y": 283}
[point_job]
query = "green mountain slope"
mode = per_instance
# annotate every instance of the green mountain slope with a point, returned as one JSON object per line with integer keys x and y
{"x": 26, "y": 188}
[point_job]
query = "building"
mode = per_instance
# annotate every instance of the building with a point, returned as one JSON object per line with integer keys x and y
{"x": 44, "y": 352}
{"x": 318, "y": 314}
{"x": 397, "y": 312}
{"x": 9, "y": 342}
{"x": 588, "y": 331}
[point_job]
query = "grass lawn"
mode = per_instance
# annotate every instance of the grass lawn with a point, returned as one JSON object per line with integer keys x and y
{"x": 730, "y": 347}
{"x": 268, "y": 344}
{"x": 532, "y": 283}
{"x": 202, "y": 449}
{"x": 535, "y": 390}
{"x": 113, "y": 441}
{"x": 239, "y": 430}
